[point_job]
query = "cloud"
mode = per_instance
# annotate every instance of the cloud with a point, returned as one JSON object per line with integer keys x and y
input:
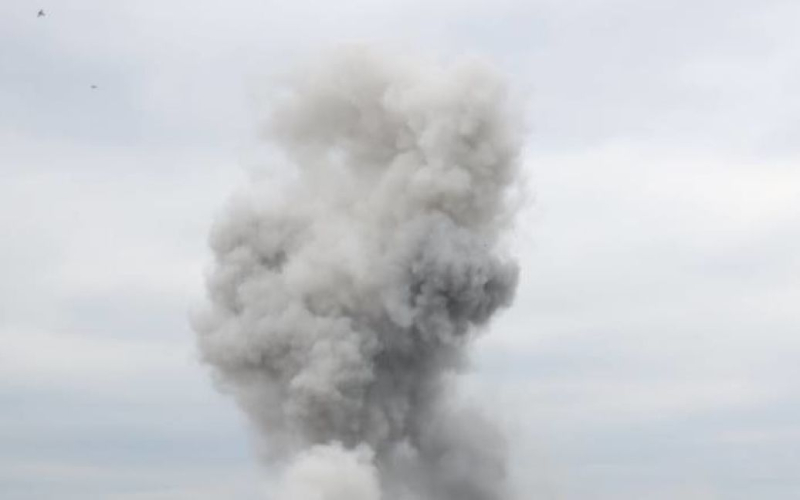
{"x": 655, "y": 335}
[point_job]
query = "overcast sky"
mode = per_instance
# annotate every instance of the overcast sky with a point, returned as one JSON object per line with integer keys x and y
{"x": 654, "y": 348}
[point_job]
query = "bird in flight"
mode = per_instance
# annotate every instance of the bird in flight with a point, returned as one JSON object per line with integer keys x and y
{"x": 94, "y": 86}
{"x": 41, "y": 13}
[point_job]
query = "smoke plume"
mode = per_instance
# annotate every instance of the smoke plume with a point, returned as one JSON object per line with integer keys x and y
{"x": 341, "y": 303}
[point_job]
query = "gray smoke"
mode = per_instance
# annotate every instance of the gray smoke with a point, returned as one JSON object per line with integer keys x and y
{"x": 341, "y": 302}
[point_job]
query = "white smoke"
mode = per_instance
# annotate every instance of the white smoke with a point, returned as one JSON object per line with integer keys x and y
{"x": 329, "y": 472}
{"x": 340, "y": 303}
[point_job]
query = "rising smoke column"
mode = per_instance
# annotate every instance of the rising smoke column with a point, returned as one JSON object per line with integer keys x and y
{"x": 341, "y": 301}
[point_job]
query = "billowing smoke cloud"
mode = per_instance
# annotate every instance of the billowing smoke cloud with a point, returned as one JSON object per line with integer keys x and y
{"x": 341, "y": 302}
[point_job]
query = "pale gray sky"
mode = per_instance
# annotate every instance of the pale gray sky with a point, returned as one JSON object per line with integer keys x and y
{"x": 651, "y": 354}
